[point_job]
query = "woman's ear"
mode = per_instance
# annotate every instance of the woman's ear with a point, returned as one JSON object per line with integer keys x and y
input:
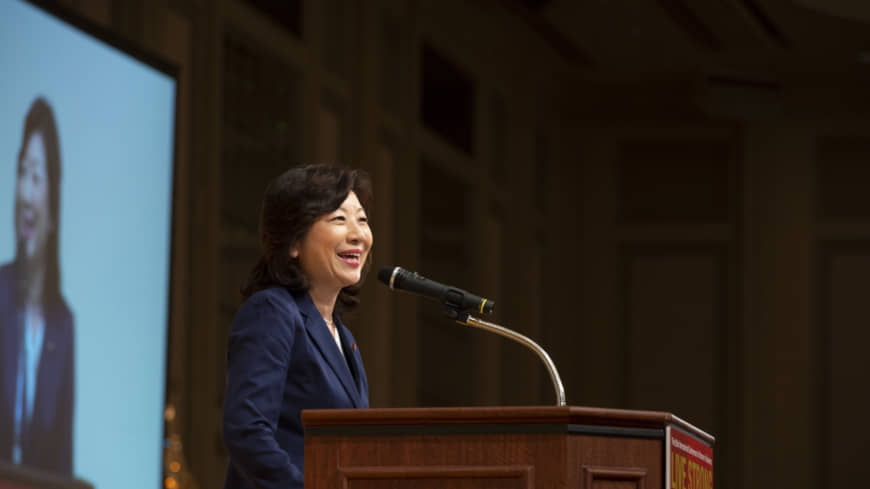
{"x": 294, "y": 252}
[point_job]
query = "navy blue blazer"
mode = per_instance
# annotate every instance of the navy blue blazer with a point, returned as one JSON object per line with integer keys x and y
{"x": 49, "y": 437}
{"x": 281, "y": 359}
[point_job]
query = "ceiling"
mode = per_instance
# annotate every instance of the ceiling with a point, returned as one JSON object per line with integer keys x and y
{"x": 743, "y": 39}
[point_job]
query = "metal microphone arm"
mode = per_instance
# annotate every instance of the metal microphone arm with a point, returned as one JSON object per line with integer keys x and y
{"x": 467, "y": 320}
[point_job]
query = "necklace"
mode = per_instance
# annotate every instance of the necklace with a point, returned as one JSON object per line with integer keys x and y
{"x": 333, "y": 331}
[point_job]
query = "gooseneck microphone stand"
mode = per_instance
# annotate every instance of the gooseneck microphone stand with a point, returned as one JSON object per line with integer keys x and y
{"x": 464, "y": 318}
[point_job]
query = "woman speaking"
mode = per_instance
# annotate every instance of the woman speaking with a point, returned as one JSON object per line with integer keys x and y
{"x": 37, "y": 347}
{"x": 288, "y": 349}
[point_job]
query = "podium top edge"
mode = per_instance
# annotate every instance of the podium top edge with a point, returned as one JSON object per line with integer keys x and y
{"x": 499, "y": 415}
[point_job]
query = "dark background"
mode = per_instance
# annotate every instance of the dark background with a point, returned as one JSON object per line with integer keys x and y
{"x": 668, "y": 195}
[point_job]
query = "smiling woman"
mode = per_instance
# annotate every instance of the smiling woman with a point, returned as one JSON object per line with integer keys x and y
{"x": 288, "y": 349}
{"x": 36, "y": 326}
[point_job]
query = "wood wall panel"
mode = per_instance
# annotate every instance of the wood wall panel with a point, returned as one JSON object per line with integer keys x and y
{"x": 260, "y": 126}
{"x": 489, "y": 372}
{"x": 667, "y": 181}
{"x": 389, "y": 79}
{"x": 376, "y": 336}
{"x": 447, "y": 350}
{"x": 337, "y": 35}
{"x": 499, "y": 144}
{"x": 674, "y": 301}
{"x": 329, "y": 147}
{"x": 448, "y": 99}
{"x": 842, "y": 174}
{"x": 845, "y": 314}
{"x": 288, "y": 14}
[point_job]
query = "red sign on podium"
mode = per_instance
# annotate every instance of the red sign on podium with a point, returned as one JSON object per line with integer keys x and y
{"x": 689, "y": 462}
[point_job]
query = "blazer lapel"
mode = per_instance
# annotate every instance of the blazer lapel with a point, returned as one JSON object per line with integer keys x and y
{"x": 48, "y": 370}
{"x": 351, "y": 352}
{"x": 319, "y": 332}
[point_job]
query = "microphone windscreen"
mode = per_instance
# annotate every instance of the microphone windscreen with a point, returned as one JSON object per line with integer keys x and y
{"x": 384, "y": 274}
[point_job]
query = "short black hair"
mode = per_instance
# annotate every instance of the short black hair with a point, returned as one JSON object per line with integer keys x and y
{"x": 291, "y": 205}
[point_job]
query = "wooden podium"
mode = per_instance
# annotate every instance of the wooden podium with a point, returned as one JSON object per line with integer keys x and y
{"x": 498, "y": 447}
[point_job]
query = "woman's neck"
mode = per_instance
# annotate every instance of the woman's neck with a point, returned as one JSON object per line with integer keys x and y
{"x": 324, "y": 300}
{"x": 34, "y": 284}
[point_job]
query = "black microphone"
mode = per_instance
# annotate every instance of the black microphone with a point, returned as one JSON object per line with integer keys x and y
{"x": 456, "y": 299}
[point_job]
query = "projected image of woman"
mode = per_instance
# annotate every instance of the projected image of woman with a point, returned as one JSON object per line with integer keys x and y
{"x": 37, "y": 363}
{"x": 288, "y": 349}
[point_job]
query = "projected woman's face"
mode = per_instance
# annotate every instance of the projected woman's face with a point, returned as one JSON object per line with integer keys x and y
{"x": 34, "y": 220}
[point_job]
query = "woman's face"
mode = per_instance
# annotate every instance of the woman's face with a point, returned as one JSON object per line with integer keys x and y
{"x": 33, "y": 218}
{"x": 333, "y": 252}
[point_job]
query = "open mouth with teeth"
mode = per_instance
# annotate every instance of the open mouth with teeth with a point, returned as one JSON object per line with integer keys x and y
{"x": 351, "y": 257}
{"x": 27, "y": 223}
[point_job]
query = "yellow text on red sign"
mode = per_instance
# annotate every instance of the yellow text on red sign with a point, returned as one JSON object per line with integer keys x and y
{"x": 688, "y": 474}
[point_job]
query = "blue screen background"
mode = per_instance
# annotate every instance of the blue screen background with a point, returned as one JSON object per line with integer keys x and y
{"x": 115, "y": 117}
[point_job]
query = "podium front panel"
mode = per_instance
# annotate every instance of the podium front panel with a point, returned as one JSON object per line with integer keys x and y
{"x": 465, "y": 448}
